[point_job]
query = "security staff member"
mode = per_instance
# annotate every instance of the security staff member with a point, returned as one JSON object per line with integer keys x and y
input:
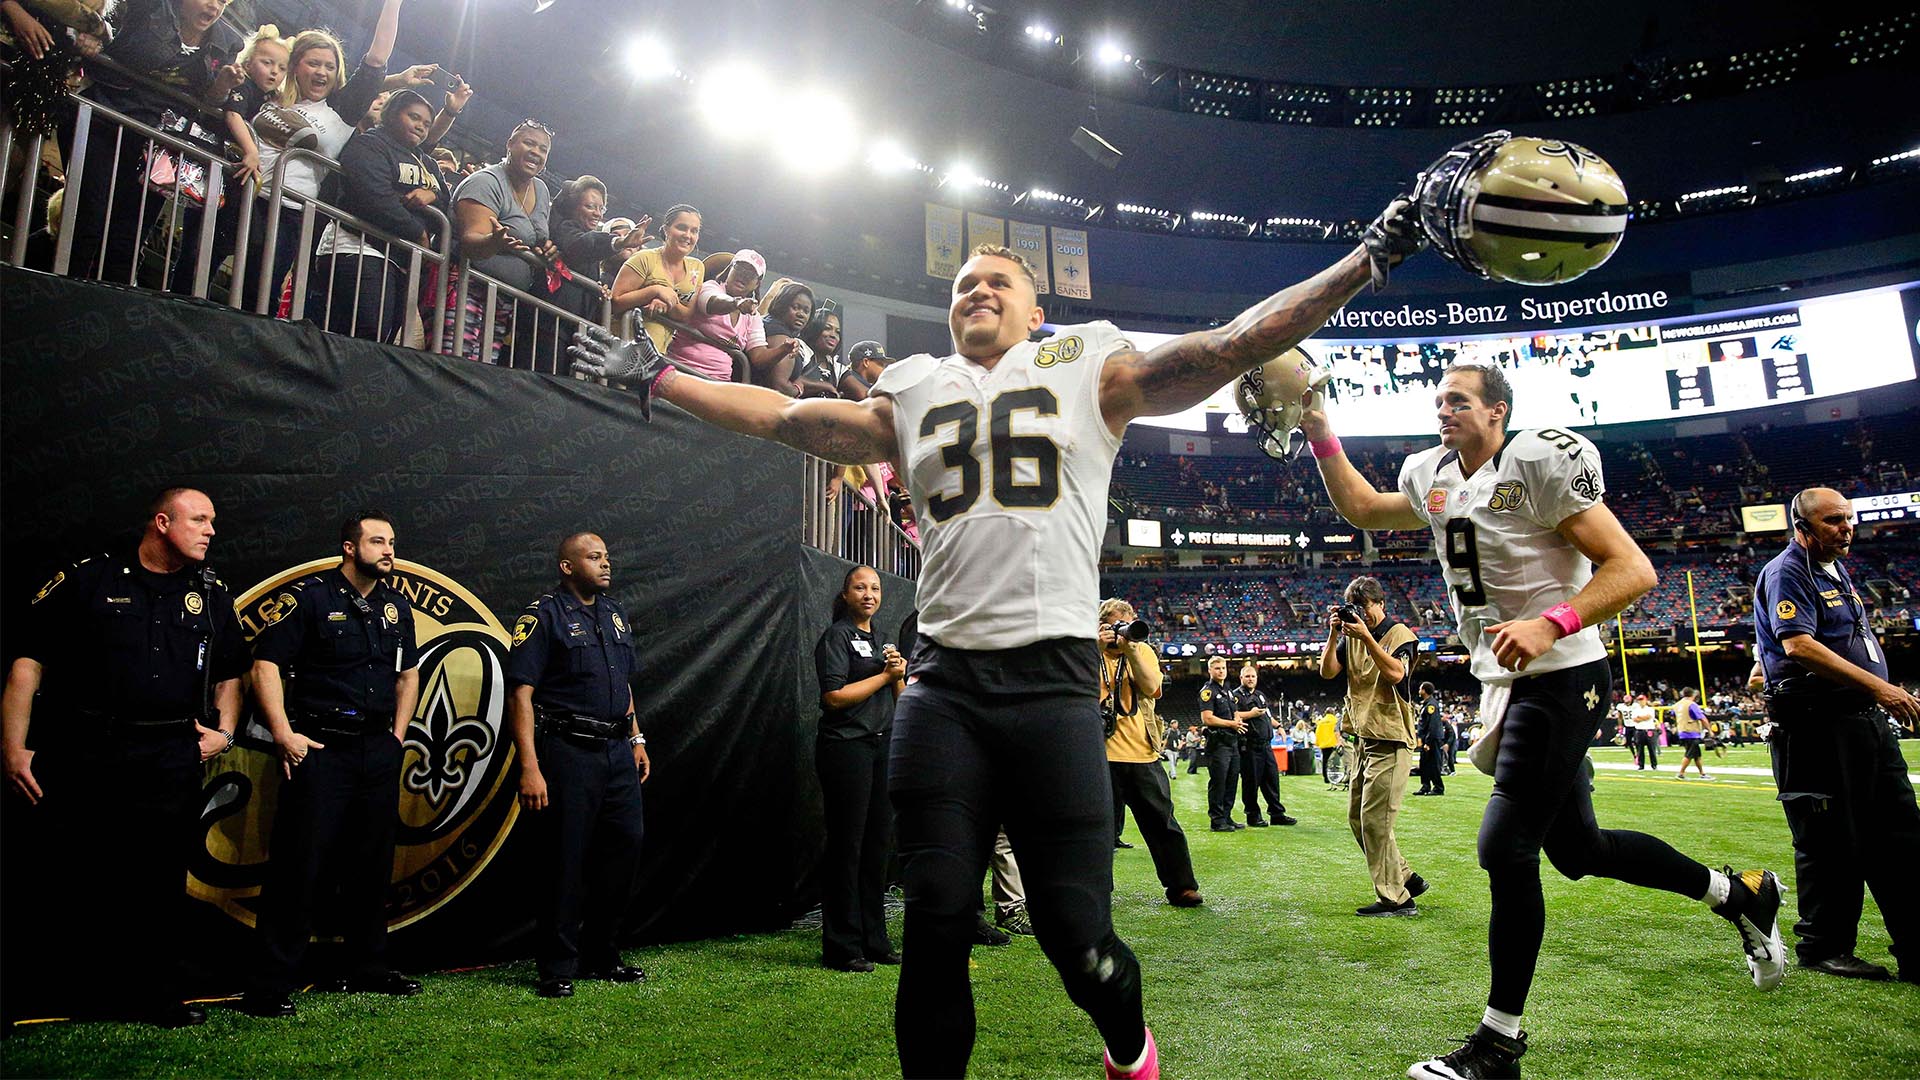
{"x": 139, "y": 657}
{"x": 582, "y": 761}
{"x": 344, "y": 640}
{"x": 1431, "y": 730}
{"x": 1259, "y": 773}
{"x": 1836, "y": 762}
{"x": 1223, "y": 745}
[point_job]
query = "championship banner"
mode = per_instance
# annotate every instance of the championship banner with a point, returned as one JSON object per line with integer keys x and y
{"x": 1072, "y": 273}
{"x": 985, "y": 229}
{"x": 1031, "y": 242}
{"x": 945, "y": 245}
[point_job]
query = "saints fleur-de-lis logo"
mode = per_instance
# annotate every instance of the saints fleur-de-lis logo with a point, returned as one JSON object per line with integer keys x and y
{"x": 1577, "y": 156}
{"x": 1592, "y": 697}
{"x": 448, "y": 745}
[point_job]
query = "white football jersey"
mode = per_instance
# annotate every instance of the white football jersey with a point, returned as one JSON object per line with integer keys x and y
{"x": 1495, "y": 532}
{"x": 1008, "y": 470}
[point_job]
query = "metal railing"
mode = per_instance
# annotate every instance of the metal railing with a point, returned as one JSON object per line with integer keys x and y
{"x": 843, "y": 519}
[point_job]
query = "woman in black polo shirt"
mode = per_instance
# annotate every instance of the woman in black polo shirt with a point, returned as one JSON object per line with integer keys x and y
{"x": 857, "y": 679}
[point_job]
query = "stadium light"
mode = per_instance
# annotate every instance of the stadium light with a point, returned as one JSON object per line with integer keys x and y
{"x": 888, "y": 156}
{"x": 831, "y": 143}
{"x": 647, "y": 55}
{"x": 1041, "y": 34}
{"x": 740, "y": 80}
{"x": 1111, "y": 55}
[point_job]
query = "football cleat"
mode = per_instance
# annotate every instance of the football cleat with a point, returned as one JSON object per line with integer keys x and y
{"x": 1753, "y": 907}
{"x": 1488, "y": 1055}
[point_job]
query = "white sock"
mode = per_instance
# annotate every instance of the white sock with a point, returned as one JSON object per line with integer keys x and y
{"x": 1718, "y": 888}
{"x": 1507, "y": 1024}
{"x": 1135, "y": 1067}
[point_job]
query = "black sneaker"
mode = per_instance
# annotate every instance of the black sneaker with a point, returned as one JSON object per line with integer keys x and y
{"x": 1416, "y": 886}
{"x": 1488, "y": 1055}
{"x": 1283, "y": 819}
{"x": 1381, "y": 909}
{"x": 1753, "y": 907}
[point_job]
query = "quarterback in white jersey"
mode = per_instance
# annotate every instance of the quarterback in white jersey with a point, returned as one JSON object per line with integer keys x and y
{"x": 1007, "y": 446}
{"x": 1517, "y": 519}
{"x": 1497, "y": 531}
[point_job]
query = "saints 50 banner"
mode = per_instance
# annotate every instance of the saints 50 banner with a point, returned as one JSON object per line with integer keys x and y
{"x": 946, "y": 245}
{"x": 1072, "y": 272}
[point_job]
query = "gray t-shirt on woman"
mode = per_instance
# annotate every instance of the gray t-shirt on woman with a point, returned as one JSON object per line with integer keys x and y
{"x": 490, "y": 188}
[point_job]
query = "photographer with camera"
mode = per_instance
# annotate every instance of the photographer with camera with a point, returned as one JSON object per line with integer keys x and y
{"x": 1223, "y": 745}
{"x": 1129, "y": 685}
{"x": 1259, "y": 773}
{"x": 1377, "y": 657}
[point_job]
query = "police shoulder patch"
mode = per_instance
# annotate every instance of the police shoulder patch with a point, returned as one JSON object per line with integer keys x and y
{"x": 523, "y": 628}
{"x": 1206, "y": 694}
{"x": 1785, "y": 609}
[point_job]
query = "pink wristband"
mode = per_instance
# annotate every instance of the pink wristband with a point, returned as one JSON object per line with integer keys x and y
{"x": 1564, "y": 617}
{"x": 1327, "y": 447}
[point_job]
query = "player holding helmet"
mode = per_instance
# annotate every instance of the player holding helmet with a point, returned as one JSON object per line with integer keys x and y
{"x": 1517, "y": 518}
{"x": 1007, "y": 446}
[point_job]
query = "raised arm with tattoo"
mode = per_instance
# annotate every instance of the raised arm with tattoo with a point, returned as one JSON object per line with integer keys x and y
{"x": 1184, "y": 372}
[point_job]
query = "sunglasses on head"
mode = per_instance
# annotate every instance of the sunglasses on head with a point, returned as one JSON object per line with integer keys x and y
{"x": 535, "y": 124}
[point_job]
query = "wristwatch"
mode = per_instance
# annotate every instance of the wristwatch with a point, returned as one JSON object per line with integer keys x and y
{"x": 636, "y": 740}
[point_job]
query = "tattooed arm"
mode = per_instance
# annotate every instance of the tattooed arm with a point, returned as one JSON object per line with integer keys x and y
{"x": 846, "y": 432}
{"x": 1182, "y": 373}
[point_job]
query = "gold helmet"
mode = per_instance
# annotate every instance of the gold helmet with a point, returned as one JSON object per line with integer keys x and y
{"x": 1270, "y": 398}
{"x": 1530, "y": 211}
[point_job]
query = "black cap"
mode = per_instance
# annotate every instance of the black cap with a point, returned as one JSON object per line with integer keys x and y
{"x": 868, "y": 350}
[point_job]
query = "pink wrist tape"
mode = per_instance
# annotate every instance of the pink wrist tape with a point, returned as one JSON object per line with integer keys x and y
{"x": 1564, "y": 617}
{"x": 1327, "y": 447}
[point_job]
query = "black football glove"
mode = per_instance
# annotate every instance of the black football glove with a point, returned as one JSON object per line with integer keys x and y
{"x": 633, "y": 364}
{"x": 1393, "y": 236}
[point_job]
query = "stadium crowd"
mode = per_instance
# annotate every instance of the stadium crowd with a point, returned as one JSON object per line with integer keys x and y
{"x": 402, "y": 176}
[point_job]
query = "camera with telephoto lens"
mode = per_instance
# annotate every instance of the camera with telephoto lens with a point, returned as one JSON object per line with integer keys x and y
{"x": 1137, "y": 630}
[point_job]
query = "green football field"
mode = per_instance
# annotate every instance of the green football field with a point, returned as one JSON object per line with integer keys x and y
{"x": 1274, "y": 977}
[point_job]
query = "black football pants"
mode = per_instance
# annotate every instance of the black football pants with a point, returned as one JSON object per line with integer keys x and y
{"x": 961, "y": 764}
{"x": 1543, "y": 800}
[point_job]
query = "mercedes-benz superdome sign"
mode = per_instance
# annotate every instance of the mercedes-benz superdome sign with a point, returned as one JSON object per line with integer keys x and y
{"x": 1264, "y": 536}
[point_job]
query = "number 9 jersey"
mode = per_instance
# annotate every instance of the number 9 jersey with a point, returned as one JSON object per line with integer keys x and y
{"x": 1500, "y": 553}
{"x": 1008, "y": 469}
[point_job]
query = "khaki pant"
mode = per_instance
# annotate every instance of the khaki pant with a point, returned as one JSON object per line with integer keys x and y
{"x": 1373, "y": 801}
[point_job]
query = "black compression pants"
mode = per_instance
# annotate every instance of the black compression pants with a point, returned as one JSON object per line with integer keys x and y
{"x": 1543, "y": 801}
{"x": 961, "y": 764}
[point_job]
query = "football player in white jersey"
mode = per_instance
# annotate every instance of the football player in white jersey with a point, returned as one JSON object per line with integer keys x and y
{"x": 1534, "y": 560}
{"x": 1007, "y": 446}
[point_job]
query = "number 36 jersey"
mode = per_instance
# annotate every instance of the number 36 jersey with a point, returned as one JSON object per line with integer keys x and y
{"x": 1008, "y": 469}
{"x": 1495, "y": 532}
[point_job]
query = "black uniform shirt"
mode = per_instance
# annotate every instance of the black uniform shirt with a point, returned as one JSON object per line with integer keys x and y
{"x": 1215, "y": 698}
{"x": 847, "y": 654}
{"x": 1793, "y": 597}
{"x": 341, "y": 652}
{"x": 1259, "y": 728}
{"x": 1432, "y": 730}
{"x": 577, "y": 657}
{"x": 117, "y": 638}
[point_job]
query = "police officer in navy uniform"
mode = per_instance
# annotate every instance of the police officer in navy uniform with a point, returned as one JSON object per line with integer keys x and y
{"x": 1836, "y": 761}
{"x": 1223, "y": 745}
{"x": 343, "y": 639}
{"x": 1431, "y": 730}
{"x": 1259, "y": 773}
{"x": 582, "y": 761}
{"x": 137, "y": 657}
